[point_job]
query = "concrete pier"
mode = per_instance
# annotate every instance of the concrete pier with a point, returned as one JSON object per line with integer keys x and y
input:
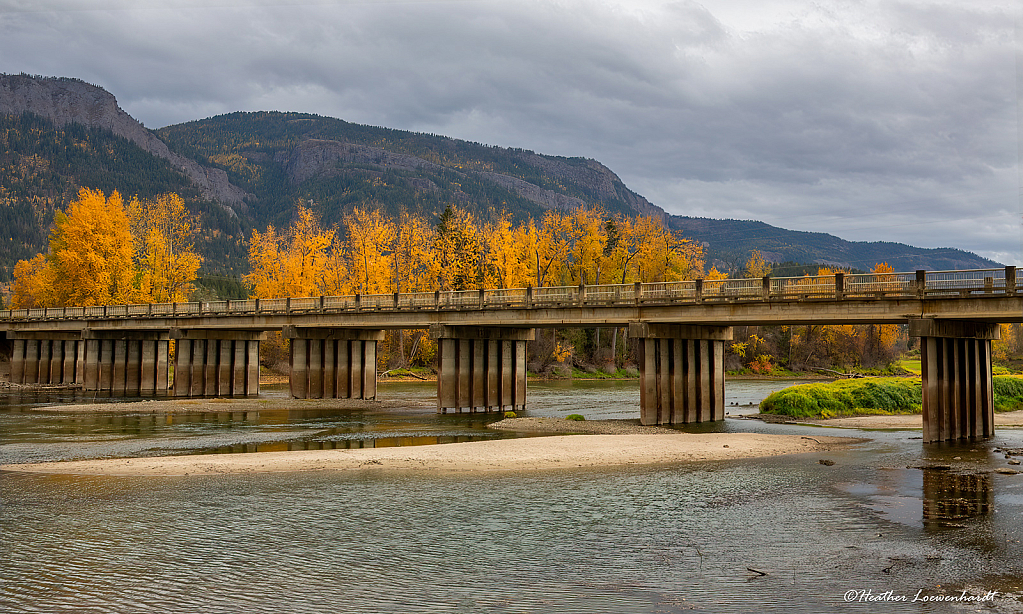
{"x": 681, "y": 372}
{"x": 958, "y": 395}
{"x": 216, "y": 362}
{"x": 333, "y": 363}
{"x": 125, "y": 362}
{"x": 46, "y": 358}
{"x": 481, "y": 368}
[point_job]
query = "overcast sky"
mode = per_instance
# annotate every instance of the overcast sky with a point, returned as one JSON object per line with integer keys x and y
{"x": 871, "y": 120}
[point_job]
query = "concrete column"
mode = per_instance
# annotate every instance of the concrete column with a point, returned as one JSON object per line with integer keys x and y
{"x": 43, "y": 365}
{"x": 333, "y": 362}
{"x": 106, "y": 364}
{"x": 252, "y": 366}
{"x": 299, "y": 365}
{"x": 119, "y": 382}
{"x": 147, "y": 367}
{"x": 681, "y": 372}
{"x": 133, "y": 369}
{"x": 70, "y": 352}
{"x": 212, "y": 366}
{"x": 92, "y": 367}
{"x": 225, "y": 368}
{"x": 369, "y": 369}
{"x": 80, "y": 362}
{"x": 239, "y": 367}
{"x": 182, "y": 367}
{"x": 56, "y": 374}
{"x": 958, "y": 395}
{"x": 343, "y": 382}
{"x": 314, "y": 373}
{"x": 357, "y": 370}
{"x": 18, "y": 362}
{"x": 197, "y": 369}
{"x": 447, "y": 375}
{"x": 480, "y": 368}
{"x": 31, "y": 375}
{"x": 330, "y": 368}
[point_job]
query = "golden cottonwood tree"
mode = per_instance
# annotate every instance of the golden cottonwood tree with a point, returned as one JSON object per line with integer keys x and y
{"x": 164, "y": 232}
{"x": 370, "y": 248}
{"x": 33, "y": 284}
{"x": 91, "y": 252}
{"x": 289, "y": 264}
{"x": 458, "y": 247}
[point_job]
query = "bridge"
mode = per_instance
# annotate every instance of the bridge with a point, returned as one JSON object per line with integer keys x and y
{"x": 681, "y": 327}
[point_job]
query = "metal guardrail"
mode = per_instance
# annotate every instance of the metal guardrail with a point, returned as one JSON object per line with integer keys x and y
{"x": 839, "y": 286}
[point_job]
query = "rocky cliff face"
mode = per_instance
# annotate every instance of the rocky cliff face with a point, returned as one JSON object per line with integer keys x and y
{"x": 69, "y": 100}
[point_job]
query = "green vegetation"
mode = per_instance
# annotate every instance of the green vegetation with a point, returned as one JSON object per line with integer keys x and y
{"x": 854, "y": 397}
{"x": 575, "y": 417}
{"x": 510, "y": 414}
{"x": 873, "y": 396}
{"x": 1008, "y": 392}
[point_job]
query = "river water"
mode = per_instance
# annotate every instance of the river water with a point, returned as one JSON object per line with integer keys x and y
{"x": 671, "y": 538}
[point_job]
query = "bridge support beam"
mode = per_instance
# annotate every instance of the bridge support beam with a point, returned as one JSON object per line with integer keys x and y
{"x": 333, "y": 363}
{"x": 481, "y": 369}
{"x": 46, "y": 357}
{"x": 124, "y": 362}
{"x": 958, "y": 396}
{"x": 681, "y": 372}
{"x": 213, "y": 362}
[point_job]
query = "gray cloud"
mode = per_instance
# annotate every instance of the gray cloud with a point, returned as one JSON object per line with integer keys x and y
{"x": 873, "y": 121}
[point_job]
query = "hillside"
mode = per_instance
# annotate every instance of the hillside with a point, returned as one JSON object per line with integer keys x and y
{"x": 245, "y": 170}
{"x": 729, "y": 243}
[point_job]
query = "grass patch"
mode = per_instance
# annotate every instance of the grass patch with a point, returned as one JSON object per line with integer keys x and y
{"x": 874, "y": 396}
{"x": 853, "y": 397}
{"x": 575, "y": 417}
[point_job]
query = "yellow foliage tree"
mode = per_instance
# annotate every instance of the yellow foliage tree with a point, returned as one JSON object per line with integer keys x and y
{"x": 32, "y": 284}
{"x": 756, "y": 266}
{"x": 289, "y": 264}
{"x": 91, "y": 252}
{"x": 164, "y": 232}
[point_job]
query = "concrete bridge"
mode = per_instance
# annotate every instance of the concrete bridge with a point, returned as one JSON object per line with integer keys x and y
{"x": 681, "y": 326}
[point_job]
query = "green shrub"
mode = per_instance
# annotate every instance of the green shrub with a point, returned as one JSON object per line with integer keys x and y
{"x": 510, "y": 414}
{"x": 1008, "y": 392}
{"x": 888, "y": 395}
{"x": 575, "y": 417}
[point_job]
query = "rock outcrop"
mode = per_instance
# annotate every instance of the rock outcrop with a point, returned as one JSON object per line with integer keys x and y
{"x": 64, "y": 101}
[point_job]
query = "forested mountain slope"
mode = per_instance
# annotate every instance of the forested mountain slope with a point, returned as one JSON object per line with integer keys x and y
{"x": 244, "y": 170}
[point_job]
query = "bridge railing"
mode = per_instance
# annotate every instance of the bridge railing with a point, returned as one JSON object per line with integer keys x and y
{"x": 840, "y": 286}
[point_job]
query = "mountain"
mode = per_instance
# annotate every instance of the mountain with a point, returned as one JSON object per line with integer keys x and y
{"x": 245, "y": 170}
{"x": 729, "y": 242}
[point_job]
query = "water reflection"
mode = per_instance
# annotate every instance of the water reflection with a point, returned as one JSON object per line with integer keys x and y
{"x": 950, "y": 497}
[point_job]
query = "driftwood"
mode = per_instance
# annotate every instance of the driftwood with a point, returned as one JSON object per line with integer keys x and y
{"x": 410, "y": 374}
{"x": 839, "y": 373}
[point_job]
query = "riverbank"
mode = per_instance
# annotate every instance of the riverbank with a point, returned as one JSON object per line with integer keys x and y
{"x": 502, "y": 455}
{"x": 899, "y": 421}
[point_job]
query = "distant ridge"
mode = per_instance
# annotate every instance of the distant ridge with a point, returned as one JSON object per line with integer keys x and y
{"x": 245, "y": 170}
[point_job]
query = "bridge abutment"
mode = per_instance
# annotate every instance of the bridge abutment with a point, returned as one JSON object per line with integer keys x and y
{"x": 958, "y": 395}
{"x": 481, "y": 368}
{"x": 681, "y": 372}
{"x": 333, "y": 363}
{"x": 216, "y": 362}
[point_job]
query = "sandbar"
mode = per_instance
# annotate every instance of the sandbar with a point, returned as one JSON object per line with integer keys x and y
{"x": 902, "y": 421}
{"x": 491, "y": 456}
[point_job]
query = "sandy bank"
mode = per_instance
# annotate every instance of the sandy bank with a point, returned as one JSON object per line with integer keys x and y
{"x": 909, "y": 421}
{"x": 471, "y": 457}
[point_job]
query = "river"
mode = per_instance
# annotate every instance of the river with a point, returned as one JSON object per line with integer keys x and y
{"x": 674, "y": 538}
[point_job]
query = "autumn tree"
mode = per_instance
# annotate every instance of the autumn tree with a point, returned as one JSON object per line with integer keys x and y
{"x": 458, "y": 248}
{"x": 164, "y": 232}
{"x": 91, "y": 252}
{"x": 290, "y": 263}
{"x": 756, "y": 266}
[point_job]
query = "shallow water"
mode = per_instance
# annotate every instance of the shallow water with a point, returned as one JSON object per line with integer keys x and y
{"x": 652, "y": 539}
